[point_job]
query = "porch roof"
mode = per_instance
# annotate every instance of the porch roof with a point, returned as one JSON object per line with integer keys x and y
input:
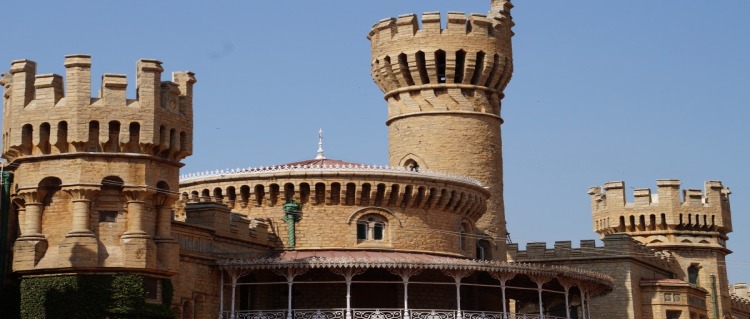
{"x": 337, "y": 259}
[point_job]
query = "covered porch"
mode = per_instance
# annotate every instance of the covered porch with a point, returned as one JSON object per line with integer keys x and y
{"x": 391, "y": 285}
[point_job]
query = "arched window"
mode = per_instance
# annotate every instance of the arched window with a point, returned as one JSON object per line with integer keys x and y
{"x": 371, "y": 228}
{"x": 462, "y": 237}
{"x": 693, "y": 272}
{"x": 411, "y": 165}
{"x": 483, "y": 250}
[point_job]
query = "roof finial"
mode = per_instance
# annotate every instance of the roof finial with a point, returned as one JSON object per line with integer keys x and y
{"x": 320, "y": 145}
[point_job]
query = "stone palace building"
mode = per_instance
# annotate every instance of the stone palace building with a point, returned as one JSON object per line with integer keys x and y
{"x": 97, "y": 221}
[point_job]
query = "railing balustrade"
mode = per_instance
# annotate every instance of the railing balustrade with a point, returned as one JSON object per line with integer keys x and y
{"x": 376, "y": 313}
{"x": 360, "y": 313}
{"x": 432, "y": 314}
{"x": 319, "y": 314}
{"x": 270, "y": 314}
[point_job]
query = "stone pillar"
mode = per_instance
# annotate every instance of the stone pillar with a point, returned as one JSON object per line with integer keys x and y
{"x": 139, "y": 249}
{"x": 32, "y": 245}
{"x": 80, "y": 247}
{"x": 167, "y": 248}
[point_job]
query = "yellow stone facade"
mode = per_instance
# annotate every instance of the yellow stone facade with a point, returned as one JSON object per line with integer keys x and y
{"x": 97, "y": 190}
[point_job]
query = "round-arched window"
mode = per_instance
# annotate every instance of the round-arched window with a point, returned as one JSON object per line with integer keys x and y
{"x": 371, "y": 228}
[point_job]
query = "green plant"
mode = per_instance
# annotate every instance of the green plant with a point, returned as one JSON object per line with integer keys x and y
{"x": 90, "y": 296}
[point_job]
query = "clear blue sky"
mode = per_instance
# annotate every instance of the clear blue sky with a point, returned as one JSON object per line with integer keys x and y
{"x": 602, "y": 91}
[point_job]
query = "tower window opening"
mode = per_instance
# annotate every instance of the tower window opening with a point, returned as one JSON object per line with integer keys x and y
{"x": 93, "y": 136}
{"x": 320, "y": 193}
{"x": 440, "y": 63}
{"x": 422, "y": 66}
{"x": 274, "y": 191}
{"x": 371, "y": 228}
{"x": 62, "y": 137}
{"x": 483, "y": 250}
{"x": 244, "y": 193}
{"x": 304, "y": 193}
{"x": 403, "y": 64}
{"x": 365, "y": 197}
{"x": 44, "y": 133}
{"x": 411, "y": 165}
{"x": 460, "y": 65}
{"x": 693, "y": 273}
{"x": 232, "y": 193}
{"x": 479, "y": 69}
{"x": 462, "y": 237}
{"x": 107, "y": 216}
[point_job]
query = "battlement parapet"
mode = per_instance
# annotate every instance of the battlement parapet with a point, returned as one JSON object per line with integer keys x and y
{"x": 44, "y": 115}
{"x": 224, "y": 223}
{"x": 458, "y": 23}
{"x": 740, "y": 303}
{"x": 615, "y": 246}
{"x": 425, "y": 67}
{"x": 670, "y": 208}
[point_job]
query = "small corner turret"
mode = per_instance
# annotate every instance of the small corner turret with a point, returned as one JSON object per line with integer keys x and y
{"x": 95, "y": 177}
{"x": 44, "y": 115}
{"x": 670, "y": 215}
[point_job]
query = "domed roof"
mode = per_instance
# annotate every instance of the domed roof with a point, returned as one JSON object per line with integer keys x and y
{"x": 322, "y": 162}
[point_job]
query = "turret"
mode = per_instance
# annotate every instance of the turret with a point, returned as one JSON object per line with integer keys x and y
{"x": 691, "y": 211}
{"x": 443, "y": 87}
{"x": 42, "y": 118}
{"x": 95, "y": 177}
{"x": 692, "y": 225}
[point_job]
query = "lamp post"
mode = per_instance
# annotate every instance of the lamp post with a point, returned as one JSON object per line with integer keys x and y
{"x": 292, "y": 211}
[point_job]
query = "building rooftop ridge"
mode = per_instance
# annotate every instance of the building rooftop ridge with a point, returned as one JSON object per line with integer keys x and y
{"x": 325, "y": 167}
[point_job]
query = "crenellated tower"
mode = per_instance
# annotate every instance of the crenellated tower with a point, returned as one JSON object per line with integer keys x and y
{"x": 444, "y": 87}
{"x": 691, "y": 224}
{"x": 95, "y": 178}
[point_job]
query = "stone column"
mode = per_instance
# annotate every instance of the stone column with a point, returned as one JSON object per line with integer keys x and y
{"x": 136, "y": 202}
{"x": 80, "y": 248}
{"x": 32, "y": 245}
{"x": 139, "y": 249}
{"x": 34, "y": 206}
{"x": 168, "y": 255}
{"x": 81, "y": 197}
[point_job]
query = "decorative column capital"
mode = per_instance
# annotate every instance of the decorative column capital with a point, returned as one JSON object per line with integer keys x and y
{"x": 405, "y": 273}
{"x": 82, "y": 192}
{"x": 32, "y": 196}
{"x": 137, "y": 193}
{"x": 540, "y": 279}
{"x": 567, "y": 283}
{"x": 503, "y": 277}
{"x": 457, "y": 274}
{"x": 165, "y": 200}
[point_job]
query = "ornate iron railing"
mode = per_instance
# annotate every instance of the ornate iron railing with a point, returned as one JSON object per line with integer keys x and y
{"x": 376, "y": 313}
{"x": 319, "y": 314}
{"x": 270, "y": 314}
{"x": 359, "y": 313}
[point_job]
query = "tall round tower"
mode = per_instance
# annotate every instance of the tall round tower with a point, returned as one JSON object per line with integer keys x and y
{"x": 443, "y": 88}
{"x": 95, "y": 178}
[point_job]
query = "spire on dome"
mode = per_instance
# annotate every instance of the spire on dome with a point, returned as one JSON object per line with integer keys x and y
{"x": 320, "y": 145}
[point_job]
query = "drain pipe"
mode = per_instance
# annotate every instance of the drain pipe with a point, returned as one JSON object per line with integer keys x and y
{"x": 713, "y": 296}
{"x": 7, "y": 179}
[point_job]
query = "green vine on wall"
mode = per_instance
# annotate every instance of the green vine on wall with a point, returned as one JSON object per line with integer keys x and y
{"x": 92, "y": 296}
